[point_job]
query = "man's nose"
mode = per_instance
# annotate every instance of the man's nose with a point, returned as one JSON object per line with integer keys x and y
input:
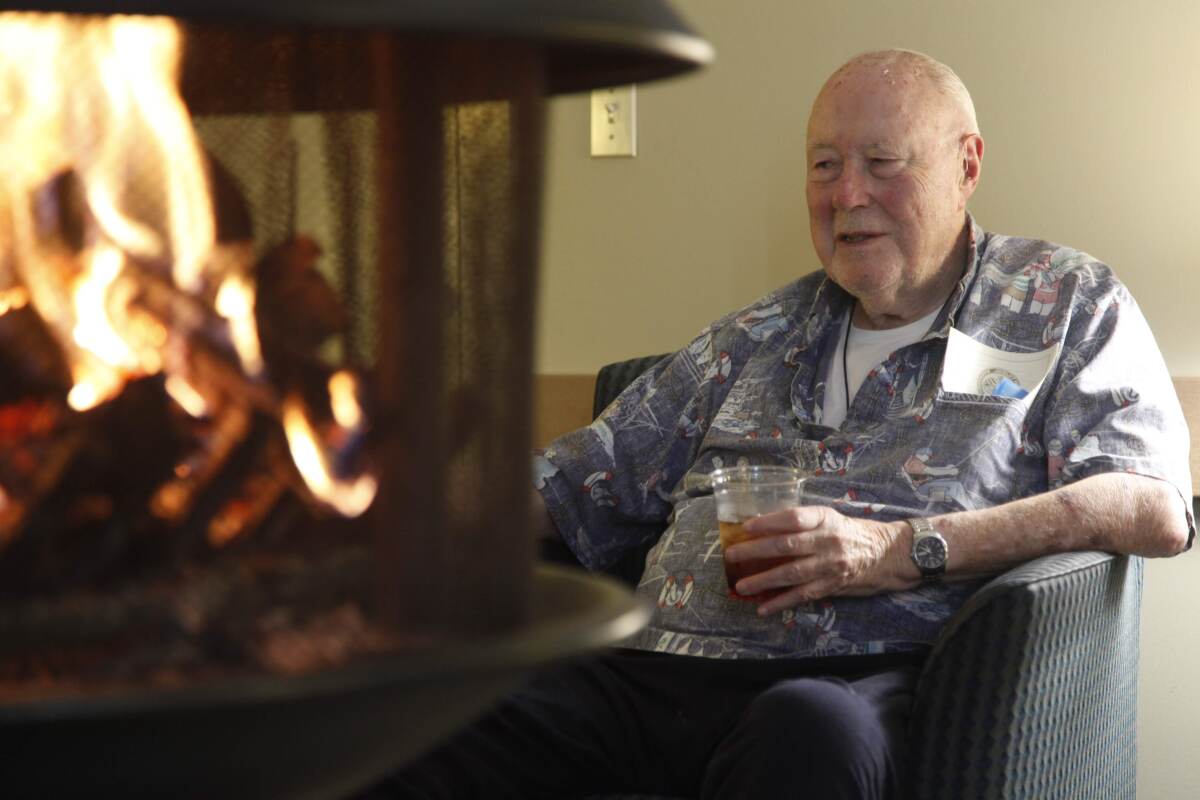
{"x": 851, "y": 189}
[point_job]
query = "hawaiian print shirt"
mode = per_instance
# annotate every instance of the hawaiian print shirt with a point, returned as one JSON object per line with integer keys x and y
{"x": 750, "y": 388}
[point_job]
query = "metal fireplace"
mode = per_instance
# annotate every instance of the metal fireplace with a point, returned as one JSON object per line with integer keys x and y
{"x": 267, "y": 281}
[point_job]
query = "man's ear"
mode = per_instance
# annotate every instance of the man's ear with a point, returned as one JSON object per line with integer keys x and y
{"x": 971, "y": 163}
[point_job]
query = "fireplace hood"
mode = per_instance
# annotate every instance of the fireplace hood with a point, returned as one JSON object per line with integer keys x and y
{"x": 588, "y": 44}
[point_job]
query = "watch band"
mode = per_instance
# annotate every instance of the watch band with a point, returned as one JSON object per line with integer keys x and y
{"x": 929, "y": 549}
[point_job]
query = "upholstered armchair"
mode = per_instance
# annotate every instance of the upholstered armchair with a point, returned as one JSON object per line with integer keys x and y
{"x": 1031, "y": 689}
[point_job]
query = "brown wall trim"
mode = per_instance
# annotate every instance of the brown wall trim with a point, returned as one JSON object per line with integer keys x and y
{"x": 1188, "y": 390}
{"x": 561, "y": 403}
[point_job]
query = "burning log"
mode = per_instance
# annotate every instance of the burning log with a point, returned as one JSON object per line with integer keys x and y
{"x": 30, "y": 359}
{"x": 170, "y": 523}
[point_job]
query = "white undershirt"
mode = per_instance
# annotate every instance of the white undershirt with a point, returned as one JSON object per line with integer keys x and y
{"x": 867, "y": 350}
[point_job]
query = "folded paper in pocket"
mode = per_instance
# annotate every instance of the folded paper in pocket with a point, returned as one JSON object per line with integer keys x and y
{"x": 972, "y": 367}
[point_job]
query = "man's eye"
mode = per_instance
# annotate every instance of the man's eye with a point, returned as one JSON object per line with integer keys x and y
{"x": 884, "y": 167}
{"x": 822, "y": 170}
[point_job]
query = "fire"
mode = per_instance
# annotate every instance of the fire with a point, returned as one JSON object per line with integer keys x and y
{"x": 98, "y": 379}
{"x": 343, "y": 400}
{"x": 349, "y": 496}
{"x": 95, "y": 99}
{"x": 183, "y": 393}
{"x": 13, "y": 299}
{"x": 235, "y": 302}
{"x": 107, "y": 220}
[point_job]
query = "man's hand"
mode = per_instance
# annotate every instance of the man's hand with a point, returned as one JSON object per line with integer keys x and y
{"x": 832, "y": 554}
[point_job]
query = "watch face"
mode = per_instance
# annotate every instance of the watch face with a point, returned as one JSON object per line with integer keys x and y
{"x": 930, "y": 553}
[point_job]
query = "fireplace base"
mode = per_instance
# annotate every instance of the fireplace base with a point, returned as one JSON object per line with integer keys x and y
{"x": 322, "y": 735}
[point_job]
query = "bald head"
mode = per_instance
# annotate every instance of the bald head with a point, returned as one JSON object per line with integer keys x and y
{"x": 915, "y": 76}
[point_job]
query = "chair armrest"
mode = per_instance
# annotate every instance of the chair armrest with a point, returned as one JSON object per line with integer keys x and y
{"x": 1031, "y": 689}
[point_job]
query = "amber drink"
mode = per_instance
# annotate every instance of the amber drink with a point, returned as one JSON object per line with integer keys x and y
{"x": 744, "y": 492}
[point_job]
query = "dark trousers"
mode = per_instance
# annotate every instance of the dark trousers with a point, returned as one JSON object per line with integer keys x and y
{"x": 629, "y": 721}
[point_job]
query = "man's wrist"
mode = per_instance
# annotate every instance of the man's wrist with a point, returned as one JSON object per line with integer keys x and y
{"x": 904, "y": 571}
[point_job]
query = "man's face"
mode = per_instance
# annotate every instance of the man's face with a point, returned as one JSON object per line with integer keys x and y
{"x": 886, "y": 196}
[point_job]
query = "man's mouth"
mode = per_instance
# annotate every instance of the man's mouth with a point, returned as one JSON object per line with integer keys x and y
{"x": 857, "y": 237}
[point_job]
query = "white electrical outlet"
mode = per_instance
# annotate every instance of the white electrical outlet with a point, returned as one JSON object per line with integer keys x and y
{"x": 614, "y": 121}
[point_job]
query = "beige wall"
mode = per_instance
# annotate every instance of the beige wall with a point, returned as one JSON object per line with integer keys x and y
{"x": 1087, "y": 108}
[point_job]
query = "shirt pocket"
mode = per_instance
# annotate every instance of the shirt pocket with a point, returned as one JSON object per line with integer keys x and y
{"x": 976, "y": 416}
{"x": 984, "y": 402}
{"x": 985, "y": 437}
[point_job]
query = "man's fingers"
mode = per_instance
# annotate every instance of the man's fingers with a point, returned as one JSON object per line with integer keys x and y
{"x": 794, "y": 573}
{"x": 772, "y": 546}
{"x": 797, "y": 518}
{"x": 781, "y": 602}
{"x": 796, "y": 596}
{"x": 831, "y": 556}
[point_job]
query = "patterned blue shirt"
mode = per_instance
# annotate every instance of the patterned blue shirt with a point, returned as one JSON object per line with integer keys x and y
{"x": 750, "y": 387}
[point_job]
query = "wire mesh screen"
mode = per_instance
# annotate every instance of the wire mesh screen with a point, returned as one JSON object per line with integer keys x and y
{"x": 321, "y": 426}
{"x": 303, "y": 179}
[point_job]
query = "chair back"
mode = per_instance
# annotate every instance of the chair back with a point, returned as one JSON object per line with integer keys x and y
{"x": 612, "y": 379}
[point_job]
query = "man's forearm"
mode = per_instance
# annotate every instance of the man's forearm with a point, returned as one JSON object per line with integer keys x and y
{"x": 1115, "y": 512}
{"x": 826, "y": 553}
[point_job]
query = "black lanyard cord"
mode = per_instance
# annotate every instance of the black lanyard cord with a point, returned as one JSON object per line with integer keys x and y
{"x": 846, "y": 347}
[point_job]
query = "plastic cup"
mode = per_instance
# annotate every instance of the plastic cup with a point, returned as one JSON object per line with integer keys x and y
{"x": 745, "y": 492}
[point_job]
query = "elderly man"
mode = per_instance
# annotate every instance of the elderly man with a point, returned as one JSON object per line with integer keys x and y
{"x": 964, "y": 402}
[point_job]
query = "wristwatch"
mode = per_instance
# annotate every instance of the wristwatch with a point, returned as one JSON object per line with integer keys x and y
{"x": 929, "y": 549}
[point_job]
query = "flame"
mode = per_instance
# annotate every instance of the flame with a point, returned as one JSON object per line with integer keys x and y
{"x": 93, "y": 385}
{"x": 138, "y": 65}
{"x": 96, "y": 98}
{"x": 183, "y": 393}
{"x": 105, "y": 208}
{"x": 343, "y": 400}
{"x": 350, "y": 497}
{"x": 100, "y": 377}
{"x": 12, "y": 299}
{"x": 93, "y": 330}
{"x": 235, "y": 302}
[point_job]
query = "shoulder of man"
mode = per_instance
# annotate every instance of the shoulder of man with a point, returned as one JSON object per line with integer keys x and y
{"x": 1017, "y": 256}
{"x": 1014, "y": 254}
